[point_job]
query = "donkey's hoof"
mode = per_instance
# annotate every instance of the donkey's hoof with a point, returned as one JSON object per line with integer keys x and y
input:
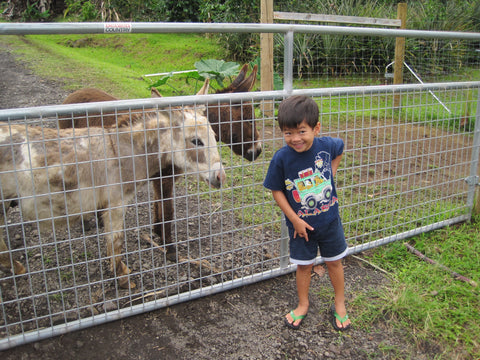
{"x": 18, "y": 268}
{"x": 171, "y": 253}
{"x": 125, "y": 283}
{"x": 121, "y": 269}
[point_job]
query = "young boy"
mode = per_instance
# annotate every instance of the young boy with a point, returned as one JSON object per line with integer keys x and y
{"x": 300, "y": 177}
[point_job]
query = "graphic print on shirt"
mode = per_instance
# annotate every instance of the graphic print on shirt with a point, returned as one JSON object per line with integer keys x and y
{"x": 313, "y": 188}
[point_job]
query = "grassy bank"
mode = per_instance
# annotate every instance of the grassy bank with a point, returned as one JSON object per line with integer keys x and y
{"x": 116, "y": 63}
{"x": 426, "y": 301}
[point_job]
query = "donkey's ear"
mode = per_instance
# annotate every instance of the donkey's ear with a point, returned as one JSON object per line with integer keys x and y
{"x": 240, "y": 78}
{"x": 154, "y": 93}
{"x": 247, "y": 84}
{"x": 204, "y": 89}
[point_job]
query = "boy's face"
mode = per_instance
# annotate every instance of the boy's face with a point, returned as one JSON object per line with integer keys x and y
{"x": 301, "y": 138}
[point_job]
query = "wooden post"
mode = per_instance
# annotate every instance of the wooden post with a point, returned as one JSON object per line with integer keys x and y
{"x": 399, "y": 52}
{"x": 266, "y": 55}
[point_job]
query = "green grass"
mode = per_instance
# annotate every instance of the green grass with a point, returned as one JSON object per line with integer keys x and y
{"x": 426, "y": 300}
{"x": 416, "y": 107}
{"x": 116, "y": 63}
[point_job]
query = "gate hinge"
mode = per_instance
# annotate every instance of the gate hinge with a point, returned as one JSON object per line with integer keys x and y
{"x": 472, "y": 180}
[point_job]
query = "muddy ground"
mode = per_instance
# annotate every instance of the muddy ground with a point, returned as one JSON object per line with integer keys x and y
{"x": 244, "y": 323}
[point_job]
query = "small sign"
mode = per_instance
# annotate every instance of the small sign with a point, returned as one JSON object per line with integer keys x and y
{"x": 111, "y": 28}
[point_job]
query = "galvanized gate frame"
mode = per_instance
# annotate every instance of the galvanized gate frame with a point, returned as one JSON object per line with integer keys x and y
{"x": 288, "y": 30}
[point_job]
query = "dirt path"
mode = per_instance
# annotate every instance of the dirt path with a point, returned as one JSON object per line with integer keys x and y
{"x": 245, "y": 323}
{"x": 19, "y": 87}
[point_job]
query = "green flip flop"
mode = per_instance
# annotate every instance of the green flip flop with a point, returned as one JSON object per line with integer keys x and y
{"x": 295, "y": 318}
{"x": 335, "y": 316}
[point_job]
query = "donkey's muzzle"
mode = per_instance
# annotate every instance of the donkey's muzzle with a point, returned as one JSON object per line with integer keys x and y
{"x": 217, "y": 175}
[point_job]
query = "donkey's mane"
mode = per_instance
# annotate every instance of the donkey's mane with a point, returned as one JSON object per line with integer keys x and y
{"x": 132, "y": 118}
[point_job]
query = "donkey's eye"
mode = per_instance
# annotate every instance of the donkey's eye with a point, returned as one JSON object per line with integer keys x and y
{"x": 197, "y": 142}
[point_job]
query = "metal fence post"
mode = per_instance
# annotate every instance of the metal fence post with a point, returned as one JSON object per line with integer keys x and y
{"x": 288, "y": 62}
{"x": 284, "y": 258}
{"x": 473, "y": 200}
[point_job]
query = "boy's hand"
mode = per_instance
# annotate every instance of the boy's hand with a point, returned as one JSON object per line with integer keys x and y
{"x": 301, "y": 228}
{"x": 299, "y": 225}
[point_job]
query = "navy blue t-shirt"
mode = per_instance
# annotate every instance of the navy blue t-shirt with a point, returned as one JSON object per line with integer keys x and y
{"x": 306, "y": 180}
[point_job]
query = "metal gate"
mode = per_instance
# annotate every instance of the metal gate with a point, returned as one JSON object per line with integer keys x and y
{"x": 405, "y": 170}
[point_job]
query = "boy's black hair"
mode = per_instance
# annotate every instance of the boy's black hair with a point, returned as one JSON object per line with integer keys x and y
{"x": 294, "y": 109}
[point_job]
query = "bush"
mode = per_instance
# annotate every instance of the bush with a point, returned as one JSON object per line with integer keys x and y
{"x": 89, "y": 12}
{"x": 156, "y": 10}
{"x": 33, "y": 13}
{"x": 181, "y": 11}
{"x": 84, "y": 10}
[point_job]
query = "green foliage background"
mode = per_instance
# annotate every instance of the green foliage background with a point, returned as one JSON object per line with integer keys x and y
{"x": 313, "y": 53}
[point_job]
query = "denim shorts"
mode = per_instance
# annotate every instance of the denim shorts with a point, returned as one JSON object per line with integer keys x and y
{"x": 329, "y": 239}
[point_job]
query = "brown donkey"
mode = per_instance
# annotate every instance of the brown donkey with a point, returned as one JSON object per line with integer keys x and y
{"x": 233, "y": 124}
{"x": 84, "y": 170}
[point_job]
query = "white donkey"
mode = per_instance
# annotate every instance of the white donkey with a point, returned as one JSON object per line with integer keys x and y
{"x": 58, "y": 175}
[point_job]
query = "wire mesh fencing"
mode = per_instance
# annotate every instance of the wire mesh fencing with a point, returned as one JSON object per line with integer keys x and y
{"x": 405, "y": 170}
{"x": 333, "y": 60}
{"x": 100, "y": 224}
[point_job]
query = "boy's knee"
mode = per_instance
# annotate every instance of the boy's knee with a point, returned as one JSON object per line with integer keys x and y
{"x": 304, "y": 267}
{"x": 334, "y": 264}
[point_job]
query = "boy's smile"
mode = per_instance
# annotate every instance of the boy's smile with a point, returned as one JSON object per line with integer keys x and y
{"x": 301, "y": 138}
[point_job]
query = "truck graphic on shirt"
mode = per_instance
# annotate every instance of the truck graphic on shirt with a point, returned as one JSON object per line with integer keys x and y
{"x": 312, "y": 189}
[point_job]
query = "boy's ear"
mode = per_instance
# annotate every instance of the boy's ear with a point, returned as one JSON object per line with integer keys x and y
{"x": 316, "y": 129}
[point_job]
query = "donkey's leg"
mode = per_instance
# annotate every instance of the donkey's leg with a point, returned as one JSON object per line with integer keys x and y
{"x": 114, "y": 226}
{"x": 163, "y": 207}
{"x": 4, "y": 253}
{"x": 5, "y": 263}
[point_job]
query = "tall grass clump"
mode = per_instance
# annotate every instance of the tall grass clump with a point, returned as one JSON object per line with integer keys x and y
{"x": 346, "y": 55}
{"x": 441, "y": 56}
{"x": 336, "y": 55}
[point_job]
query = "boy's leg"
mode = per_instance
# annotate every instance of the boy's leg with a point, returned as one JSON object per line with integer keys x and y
{"x": 335, "y": 271}
{"x": 303, "y": 277}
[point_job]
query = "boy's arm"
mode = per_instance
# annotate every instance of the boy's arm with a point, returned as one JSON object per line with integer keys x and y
{"x": 336, "y": 163}
{"x": 299, "y": 225}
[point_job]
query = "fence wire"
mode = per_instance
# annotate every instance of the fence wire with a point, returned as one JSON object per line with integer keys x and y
{"x": 410, "y": 165}
{"x": 404, "y": 171}
{"x": 335, "y": 60}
